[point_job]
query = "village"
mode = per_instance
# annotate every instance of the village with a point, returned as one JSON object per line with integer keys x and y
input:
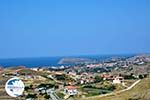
{"x": 80, "y": 81}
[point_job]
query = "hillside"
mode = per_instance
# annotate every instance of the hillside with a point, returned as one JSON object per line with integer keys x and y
{"x": 140, "y": 92}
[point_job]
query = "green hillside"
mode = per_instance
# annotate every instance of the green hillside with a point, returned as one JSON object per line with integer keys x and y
{"x": 140, "y": 92}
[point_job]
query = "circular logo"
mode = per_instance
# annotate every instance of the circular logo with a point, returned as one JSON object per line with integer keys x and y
{"x": 14, "y": 87}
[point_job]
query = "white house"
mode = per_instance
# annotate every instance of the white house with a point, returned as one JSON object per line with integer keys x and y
{"x": 70, "y": 90}
{"x": 117, "y": 80}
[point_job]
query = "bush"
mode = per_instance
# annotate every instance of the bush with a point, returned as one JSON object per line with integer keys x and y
{"x": 141, "y": 76}
{"x": 88, "y": 86}
{"x": 98, "y": 79}
{"x": 27, "y": 88}
{"x": 46, "y": 85}
{"x": 46, "y": 96}
{"x": 31, "y": 96}
{"x": 60, "y": 77}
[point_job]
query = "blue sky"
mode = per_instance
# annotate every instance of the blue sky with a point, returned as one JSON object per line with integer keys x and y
{"x": 34, "y": 28}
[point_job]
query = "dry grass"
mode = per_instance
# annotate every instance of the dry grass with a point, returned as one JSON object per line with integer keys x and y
{"x": 140, "y": 92}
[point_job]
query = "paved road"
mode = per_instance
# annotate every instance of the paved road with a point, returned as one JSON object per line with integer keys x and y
{"x": 53, "y": 95}
{"x": 56, "y": 96}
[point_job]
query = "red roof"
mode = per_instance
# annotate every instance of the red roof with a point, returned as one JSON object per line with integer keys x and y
{"x": 105, "y": 76}
{"x": 71, "y": 87}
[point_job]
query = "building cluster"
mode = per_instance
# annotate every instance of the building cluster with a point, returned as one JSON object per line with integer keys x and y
{"x": 70, "y": 78}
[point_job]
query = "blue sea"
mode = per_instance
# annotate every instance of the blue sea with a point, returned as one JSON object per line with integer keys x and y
{"x": 47, "y": 61}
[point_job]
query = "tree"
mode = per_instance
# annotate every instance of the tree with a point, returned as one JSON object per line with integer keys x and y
{"x": 141, "y": 76}
{"x": 46, "y": 96}
{"x": 34, "y": 96}
{"x": 98, "y": 79}
{"x": 26, "y": 88}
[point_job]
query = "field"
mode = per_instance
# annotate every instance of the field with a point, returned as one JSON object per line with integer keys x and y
{"x": 140, "y": 92}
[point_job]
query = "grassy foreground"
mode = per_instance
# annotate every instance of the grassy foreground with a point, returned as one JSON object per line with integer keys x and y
{"x": 139, "y": 92}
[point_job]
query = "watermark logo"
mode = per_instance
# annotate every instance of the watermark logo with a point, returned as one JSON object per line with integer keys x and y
{"x": 14, "y": 87}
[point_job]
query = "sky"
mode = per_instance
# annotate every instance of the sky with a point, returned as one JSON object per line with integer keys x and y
{"x": 38, "y": 28}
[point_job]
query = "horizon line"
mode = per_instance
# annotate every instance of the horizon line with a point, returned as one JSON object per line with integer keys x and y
{"x": 76, "y": 55}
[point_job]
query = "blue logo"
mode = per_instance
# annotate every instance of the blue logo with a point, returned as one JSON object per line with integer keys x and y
{"x": 14, "y": 87}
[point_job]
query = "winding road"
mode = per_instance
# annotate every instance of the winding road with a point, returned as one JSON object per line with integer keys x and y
{"x": 114, "y": 93}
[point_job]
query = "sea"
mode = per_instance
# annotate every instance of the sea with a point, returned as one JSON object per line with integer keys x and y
{"x": 49, "y": 61}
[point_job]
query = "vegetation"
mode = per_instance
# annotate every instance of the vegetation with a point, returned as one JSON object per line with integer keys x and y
{"x": 98, "y": 79}
{"x": 60, "y": 77}
{"x": 31, "y": 96}
{"x": 46, "y": 85}
{"x": 140, "y": 92}
{"x": 46, "y": 96}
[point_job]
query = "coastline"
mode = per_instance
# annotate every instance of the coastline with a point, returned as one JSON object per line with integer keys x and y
{"x": 50, "y": 61}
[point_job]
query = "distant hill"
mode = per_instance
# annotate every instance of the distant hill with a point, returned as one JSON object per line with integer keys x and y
{"x": 75, "y": 60}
